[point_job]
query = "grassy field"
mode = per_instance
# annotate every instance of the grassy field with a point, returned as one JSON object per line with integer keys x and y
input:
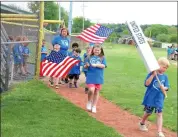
{"x": 124, "y": 79}
{"x": 33, "y": 110}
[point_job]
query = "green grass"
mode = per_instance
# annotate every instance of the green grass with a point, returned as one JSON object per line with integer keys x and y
{"x": 124, "y": 80}
{"x": 33, "y": 110}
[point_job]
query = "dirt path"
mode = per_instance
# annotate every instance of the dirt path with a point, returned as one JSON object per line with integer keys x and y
{"x": 110, "y": 114}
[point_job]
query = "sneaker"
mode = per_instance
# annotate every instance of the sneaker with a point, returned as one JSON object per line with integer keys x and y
{"x": 89, "y": 105}
{"x": 142, "y": 127}
{"x": 51, "y": 83}
{"x": 93, "y": 110}
{"x": 160, "y": 134}
{"x": 57, "y": 86}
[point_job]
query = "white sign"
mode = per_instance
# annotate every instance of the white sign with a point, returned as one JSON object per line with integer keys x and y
{"x": 143, "y": 47}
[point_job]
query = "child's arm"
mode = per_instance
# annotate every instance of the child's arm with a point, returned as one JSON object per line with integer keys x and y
{"x": 149, "y": 80}
{"x": 98, "y": 65}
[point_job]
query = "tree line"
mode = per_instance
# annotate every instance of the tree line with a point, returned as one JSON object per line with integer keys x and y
{"x": 158, "y": 32}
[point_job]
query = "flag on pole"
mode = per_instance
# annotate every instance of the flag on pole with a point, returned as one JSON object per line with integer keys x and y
{"x": 95, "y": 34}
{"x": 57, "y": 65}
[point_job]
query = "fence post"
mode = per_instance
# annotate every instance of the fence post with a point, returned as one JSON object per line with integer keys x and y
{"x": 38, "y": 59}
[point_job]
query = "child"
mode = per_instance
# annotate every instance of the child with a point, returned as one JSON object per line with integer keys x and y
{"x": 26, "y": 53}
{"x": 154, "y": 98}
{"x": 74, "y": 46}
{"x": 95, "y": 75}
{"x": 85, "y": 55}
{"x": 43, "y": 50}
{"x": 18, "y": 57}
{"x": 75, "y": 71}
{"x": 55, "y": 50}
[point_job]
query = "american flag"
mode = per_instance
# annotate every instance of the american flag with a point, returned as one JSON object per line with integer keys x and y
{"x": 57, "y": 65}
{"x": 95, "y": 34}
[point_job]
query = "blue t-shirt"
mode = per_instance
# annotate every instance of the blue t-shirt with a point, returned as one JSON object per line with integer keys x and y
{"x": 63, "y": 42}
{"x": 154, "y": 97}
{"x": 43, "y": 55}
{"x": 70, "y": 53}
{"x": 95, "y": 75}
{"x": 18, "y": 53}
{"x": 76, "y": 69}
{"x": 26, "y": 50}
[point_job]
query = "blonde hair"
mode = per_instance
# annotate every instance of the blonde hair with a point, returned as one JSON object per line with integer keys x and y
{"x": 163, "y": 61}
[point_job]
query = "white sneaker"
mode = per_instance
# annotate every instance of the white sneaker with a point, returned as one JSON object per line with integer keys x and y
{"x": 89, "y": 105}
{"x": 93, "y": 110}
{"x": 160, "y": 134}
{"x": 143, "y": 127}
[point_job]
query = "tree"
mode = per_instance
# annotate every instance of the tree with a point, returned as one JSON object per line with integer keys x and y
{"x": 51, "y": 12}
{"x": 173, "y": 38}
{"x": 155, "y": 29}
{"x": 162, "y": 37}
{"x": 77, "y": 26}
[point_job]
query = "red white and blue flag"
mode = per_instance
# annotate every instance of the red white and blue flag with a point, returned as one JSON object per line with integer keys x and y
{"x": 95, "y": 34}
{"x": 57, "y": 65}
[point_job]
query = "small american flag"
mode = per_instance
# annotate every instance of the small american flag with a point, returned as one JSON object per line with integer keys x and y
{"x": 57, "y": 65}
{"x": 95, "y": 34}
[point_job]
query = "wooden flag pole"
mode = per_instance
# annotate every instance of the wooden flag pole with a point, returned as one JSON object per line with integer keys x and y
{"x": 162, "y": 89}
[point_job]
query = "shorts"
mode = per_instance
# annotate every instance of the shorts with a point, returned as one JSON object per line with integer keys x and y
{"x": 149, "y": 110}
{"x": 85, "y": 72}
{"x": 96, "y": 86}
{"x": 25, "y": 60}
{"x": 73, "y": 76}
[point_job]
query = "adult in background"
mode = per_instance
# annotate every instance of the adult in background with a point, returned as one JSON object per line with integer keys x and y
{"x": 62, "y": 40}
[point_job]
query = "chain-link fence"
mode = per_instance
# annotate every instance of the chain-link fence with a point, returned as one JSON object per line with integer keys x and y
{"x": 18, "y": 37}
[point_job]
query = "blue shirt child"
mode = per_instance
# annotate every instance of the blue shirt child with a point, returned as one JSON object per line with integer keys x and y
{"x": 18, "y": 53}
{"x": 43, "y": 55}
{"x": 76, "y": 69}
{"x": 153, "y": 95}
{"x": 95, "y": 75}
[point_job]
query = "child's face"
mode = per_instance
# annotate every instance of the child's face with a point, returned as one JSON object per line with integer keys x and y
{"x": 64, "y": 32}
{"x": 97, "y": 51}
{"x": 163, "y": 68}
{"x": 89, "y": 50}
{"x": 76, "y": 54}
{"x": 56, "y": 47}
{"x": 43, "y": 43}
{"x": 74, "y": 48}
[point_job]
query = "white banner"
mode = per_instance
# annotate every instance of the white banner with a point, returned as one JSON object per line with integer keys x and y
{"x": 142, "y": 46}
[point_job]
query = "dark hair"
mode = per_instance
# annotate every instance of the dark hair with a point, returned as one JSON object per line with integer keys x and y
{"x": 75, "y": 45}
{"x": 78, "y": 50}
{"x": 98, "y": 46}
{"x": 64, "y": 29}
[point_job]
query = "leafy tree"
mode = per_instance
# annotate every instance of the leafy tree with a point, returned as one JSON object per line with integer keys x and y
{"x": 162, "y": 37}
{"x": 51, "y": 12}
{"x": 77, "y": 26}
{"x": 173, "y": 38}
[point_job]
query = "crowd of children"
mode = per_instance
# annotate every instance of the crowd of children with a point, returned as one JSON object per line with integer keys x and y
{"x": 93, "y": 65}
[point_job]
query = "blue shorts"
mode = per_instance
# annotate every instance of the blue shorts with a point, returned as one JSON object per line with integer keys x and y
{"x": 85, "y": 72}
{"x": 149, "y": 110}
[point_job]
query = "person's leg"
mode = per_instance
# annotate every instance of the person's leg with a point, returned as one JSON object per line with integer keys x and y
{"x": 51, "y": 80}
{"x": 147, "y": 113}
{"x": 76, "y": 77}
{"x": 86, "y": 88}
{"x": 56, "y": 83}
{"x": 90, "y": 96}
{"x": 70, "y": 80}
{"x": 96, "y": 97}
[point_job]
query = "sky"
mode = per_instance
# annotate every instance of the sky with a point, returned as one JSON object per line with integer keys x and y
{"x": 120, "y": 12}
